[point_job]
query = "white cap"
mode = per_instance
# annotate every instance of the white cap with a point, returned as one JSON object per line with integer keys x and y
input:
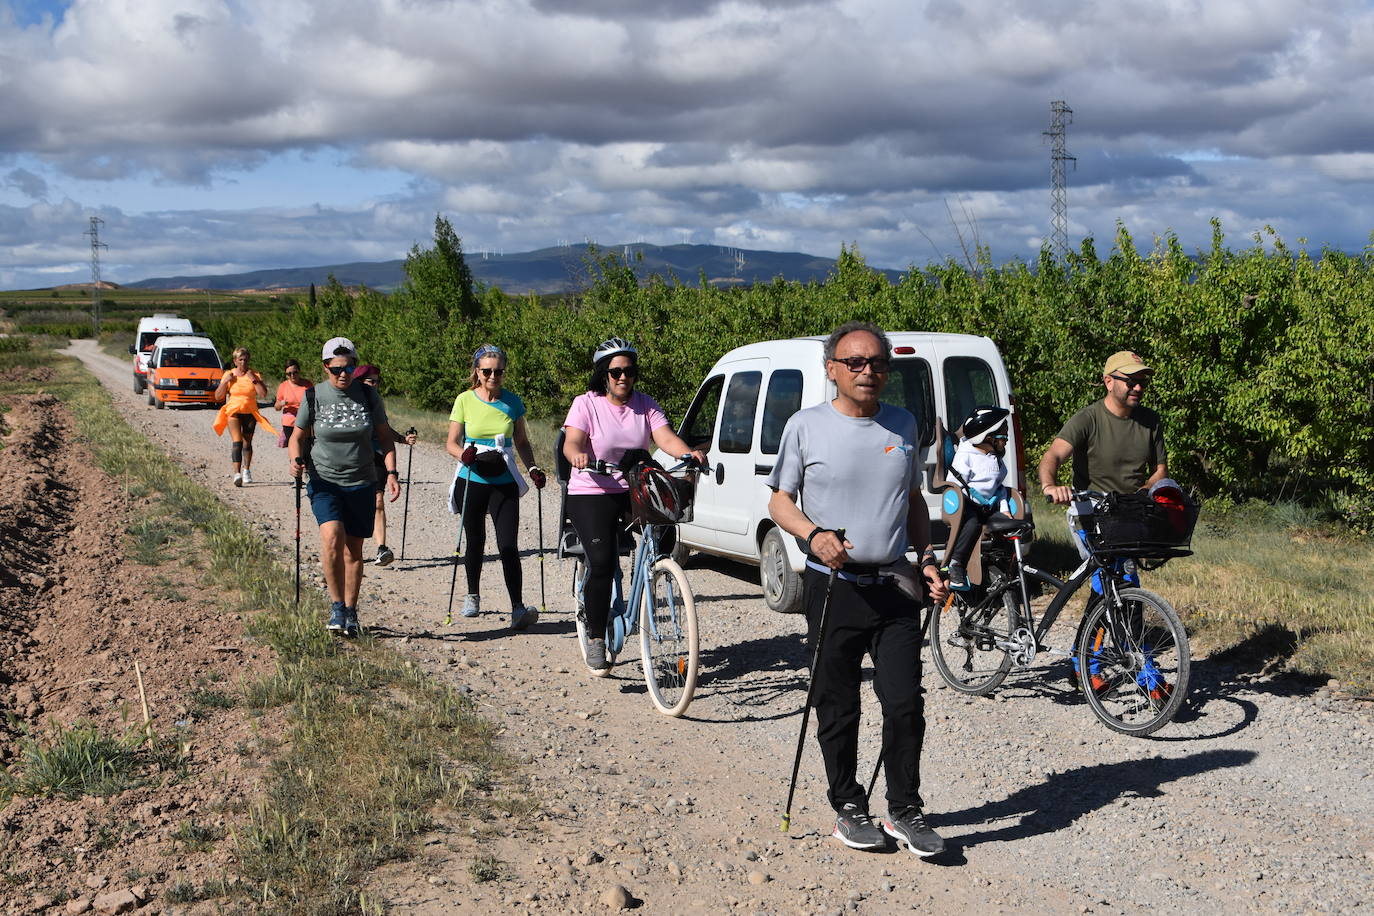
{"x": 337, "y": 343}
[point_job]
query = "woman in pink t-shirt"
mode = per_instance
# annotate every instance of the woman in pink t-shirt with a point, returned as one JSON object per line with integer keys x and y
{"x": 606, "y": 422}
{"x": 289, "y": 395}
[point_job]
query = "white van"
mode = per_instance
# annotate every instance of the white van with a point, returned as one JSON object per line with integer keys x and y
{"x": 149, "y": 330}
{"x": 739, "y": 413}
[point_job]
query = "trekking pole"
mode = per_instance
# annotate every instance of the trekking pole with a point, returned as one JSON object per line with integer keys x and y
{"x": 539, "y": 502}
{"x": 810, "y": 692}
{"x": 462, "y": 518}
{"x": 878, "y": 764}
{"x": 299, "y": 463}
{"x": 405, "y": 514}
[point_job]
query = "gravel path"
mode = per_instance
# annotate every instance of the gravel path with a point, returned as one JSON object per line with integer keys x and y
{"x": 1258, "y": 800}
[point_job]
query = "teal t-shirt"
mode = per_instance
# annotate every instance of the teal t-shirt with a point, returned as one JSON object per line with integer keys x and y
{"x": 342, "y": 423}
{"x": 482, "y": 422}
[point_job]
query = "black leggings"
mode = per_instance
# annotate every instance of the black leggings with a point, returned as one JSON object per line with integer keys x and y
{"x": 598, "y": 518}
{"x": 502, "y": 502}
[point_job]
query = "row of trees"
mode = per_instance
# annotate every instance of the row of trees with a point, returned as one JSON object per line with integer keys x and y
{"x": 1264, "y": 355}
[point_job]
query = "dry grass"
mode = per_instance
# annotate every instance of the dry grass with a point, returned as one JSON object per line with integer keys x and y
{"x": 1258, "y": 569}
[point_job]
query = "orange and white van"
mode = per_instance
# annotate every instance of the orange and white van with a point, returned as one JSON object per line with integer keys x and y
{"x": 183, "y": 370}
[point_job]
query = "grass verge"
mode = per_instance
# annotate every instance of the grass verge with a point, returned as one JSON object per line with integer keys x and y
{"x": 1275, "y": 580}
{"x": 373, "y": 745}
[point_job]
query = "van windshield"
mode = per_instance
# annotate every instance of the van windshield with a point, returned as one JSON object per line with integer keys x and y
{"x": 189, "y": 358}
{"x": 147, "y": 339}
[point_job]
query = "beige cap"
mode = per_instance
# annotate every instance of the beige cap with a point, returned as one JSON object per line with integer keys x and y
{"x": 1125, "y": 363}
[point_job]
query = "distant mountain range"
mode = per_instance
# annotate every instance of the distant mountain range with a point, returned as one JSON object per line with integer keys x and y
{"x": 547, "y": 270}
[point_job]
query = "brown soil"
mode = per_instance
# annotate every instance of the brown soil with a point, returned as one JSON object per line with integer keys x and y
{"x": 75, "y": 615}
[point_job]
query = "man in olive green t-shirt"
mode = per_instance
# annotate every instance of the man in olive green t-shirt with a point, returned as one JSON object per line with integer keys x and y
{"x": 1116, "y": 445}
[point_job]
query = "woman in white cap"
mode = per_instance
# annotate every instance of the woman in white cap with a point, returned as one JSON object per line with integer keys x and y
{"x": 333, "y": 441}
{"x": 488, "y": 423}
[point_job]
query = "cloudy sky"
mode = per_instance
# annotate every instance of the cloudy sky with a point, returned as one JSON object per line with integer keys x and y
{"x": 215, "y": 136}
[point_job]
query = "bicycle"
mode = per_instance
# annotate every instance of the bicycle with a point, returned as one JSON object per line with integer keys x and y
{"x": 1130, "y": 651}
{"x": 661, "y": 608}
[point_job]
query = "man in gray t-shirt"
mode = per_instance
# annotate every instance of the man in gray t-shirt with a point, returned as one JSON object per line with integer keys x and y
{"x": 854, "y": 464}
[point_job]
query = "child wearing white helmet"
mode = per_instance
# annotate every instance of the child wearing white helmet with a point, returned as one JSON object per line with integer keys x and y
{"x": 978, "y": 465}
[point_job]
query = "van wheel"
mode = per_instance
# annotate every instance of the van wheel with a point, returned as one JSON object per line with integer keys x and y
{"x": 781, "y": 584}
{"x": 680, "y": 553}
{"x": 159, "y": 403}
{"x": 138, "y": 385}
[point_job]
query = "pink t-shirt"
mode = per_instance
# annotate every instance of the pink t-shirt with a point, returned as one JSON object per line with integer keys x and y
{"x": 611, "y": 431}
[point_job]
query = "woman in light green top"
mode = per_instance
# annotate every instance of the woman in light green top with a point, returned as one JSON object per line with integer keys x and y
{"x": 488, "y": 424}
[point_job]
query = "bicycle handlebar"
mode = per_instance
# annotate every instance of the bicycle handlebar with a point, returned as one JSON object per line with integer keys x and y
{"x": 601, "y": 466}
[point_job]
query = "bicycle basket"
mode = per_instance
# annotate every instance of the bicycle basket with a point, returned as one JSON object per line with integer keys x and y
{"x": 1136, "y": 524}
{"x": 659, "y": 498}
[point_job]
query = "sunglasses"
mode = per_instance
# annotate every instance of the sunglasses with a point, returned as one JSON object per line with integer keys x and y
{"x": 488, "y": 372}
{"x": 337, "y": 371}
{"x": 880, "y": 364}
{"x": 627, "y": 371}
{"x": 1142, "y": 383}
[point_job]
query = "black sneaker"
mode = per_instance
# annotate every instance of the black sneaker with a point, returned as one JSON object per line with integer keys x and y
{"x": 351, "y": 621}
{"x": 384, "y": 556}
{"x": 855, "y": 829}
{"x": 910, "y": 827}
{"x": 958, "y": 576}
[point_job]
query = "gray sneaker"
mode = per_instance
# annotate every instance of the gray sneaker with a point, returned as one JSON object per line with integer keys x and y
{"x": 855, "y": 829}
{"x": 472, "y": 606}
{"x": 910, "y": 827}
{"x": 523, "y": 617}
{"x": 596, "y": 657}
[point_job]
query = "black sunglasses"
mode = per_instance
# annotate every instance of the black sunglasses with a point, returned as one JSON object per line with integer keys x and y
{"x": 855, "y": 364}
{"x": 627, "y": 371}
{"x": 488, "y": 372}
{"x": 1132, "y": 382}
{"x": 339, "y": 370}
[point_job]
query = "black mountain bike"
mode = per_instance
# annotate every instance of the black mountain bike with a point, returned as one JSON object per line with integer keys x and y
{"x": 1130, "y": 652}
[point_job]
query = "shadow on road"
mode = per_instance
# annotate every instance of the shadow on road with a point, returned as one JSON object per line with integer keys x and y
{"x": 1065, "y": 797}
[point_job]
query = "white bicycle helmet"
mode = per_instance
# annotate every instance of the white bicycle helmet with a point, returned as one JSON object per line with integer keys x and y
{"x": 611, "y": 347}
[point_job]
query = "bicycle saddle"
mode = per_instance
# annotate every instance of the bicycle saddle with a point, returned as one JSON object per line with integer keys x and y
{"x": 1002, "y": 524}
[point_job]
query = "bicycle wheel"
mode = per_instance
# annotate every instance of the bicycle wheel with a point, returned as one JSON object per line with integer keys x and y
{"x": 963, "y": 641}
{"x": 668, "y": 638}
{"x": 1133, "y": 659}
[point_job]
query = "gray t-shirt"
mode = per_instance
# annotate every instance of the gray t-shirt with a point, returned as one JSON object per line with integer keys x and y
{"x": 343, "y": 424}
{"x": 855, "y": 473}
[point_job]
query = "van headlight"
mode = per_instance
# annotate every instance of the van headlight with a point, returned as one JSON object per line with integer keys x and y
{"x": 166, "y": 383}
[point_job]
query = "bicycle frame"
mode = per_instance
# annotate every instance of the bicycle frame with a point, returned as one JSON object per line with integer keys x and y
{"x": 1030, "y": 636}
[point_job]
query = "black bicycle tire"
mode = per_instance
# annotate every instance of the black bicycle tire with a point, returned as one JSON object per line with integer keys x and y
{"x": 1084, "y": 652}
{"x": 939, "y": 645}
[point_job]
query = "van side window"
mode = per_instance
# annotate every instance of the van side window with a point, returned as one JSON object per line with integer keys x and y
{"x": 782, "y": 400}
{"x": 741, "y": 403}
{"x": 909, "y": 385}
{"x": 700, "y": 423}
{"x": 969, "y": 383}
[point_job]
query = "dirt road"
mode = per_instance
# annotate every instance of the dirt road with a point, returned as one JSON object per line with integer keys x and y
{"x": 1259, "y": 801}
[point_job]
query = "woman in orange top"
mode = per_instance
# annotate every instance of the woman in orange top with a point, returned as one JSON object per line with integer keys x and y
{"x": 240, "y": 389}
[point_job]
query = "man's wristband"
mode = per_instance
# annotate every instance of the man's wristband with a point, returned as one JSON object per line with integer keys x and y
{"x": 928, "y": 559}
{"x": 810, "y": 537}
{"x": 394, "y": 473}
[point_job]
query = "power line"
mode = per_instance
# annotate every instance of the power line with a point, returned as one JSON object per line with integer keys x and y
{"x": 96, "y": 245}
{"x": 1061, "y": 115}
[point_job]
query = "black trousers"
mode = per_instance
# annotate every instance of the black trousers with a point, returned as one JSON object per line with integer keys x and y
{"x": 882, "y": 622}
{"x": 502, "y": 502}
{"x": 976, "y": 516}
{"x": 599, "y": 521}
